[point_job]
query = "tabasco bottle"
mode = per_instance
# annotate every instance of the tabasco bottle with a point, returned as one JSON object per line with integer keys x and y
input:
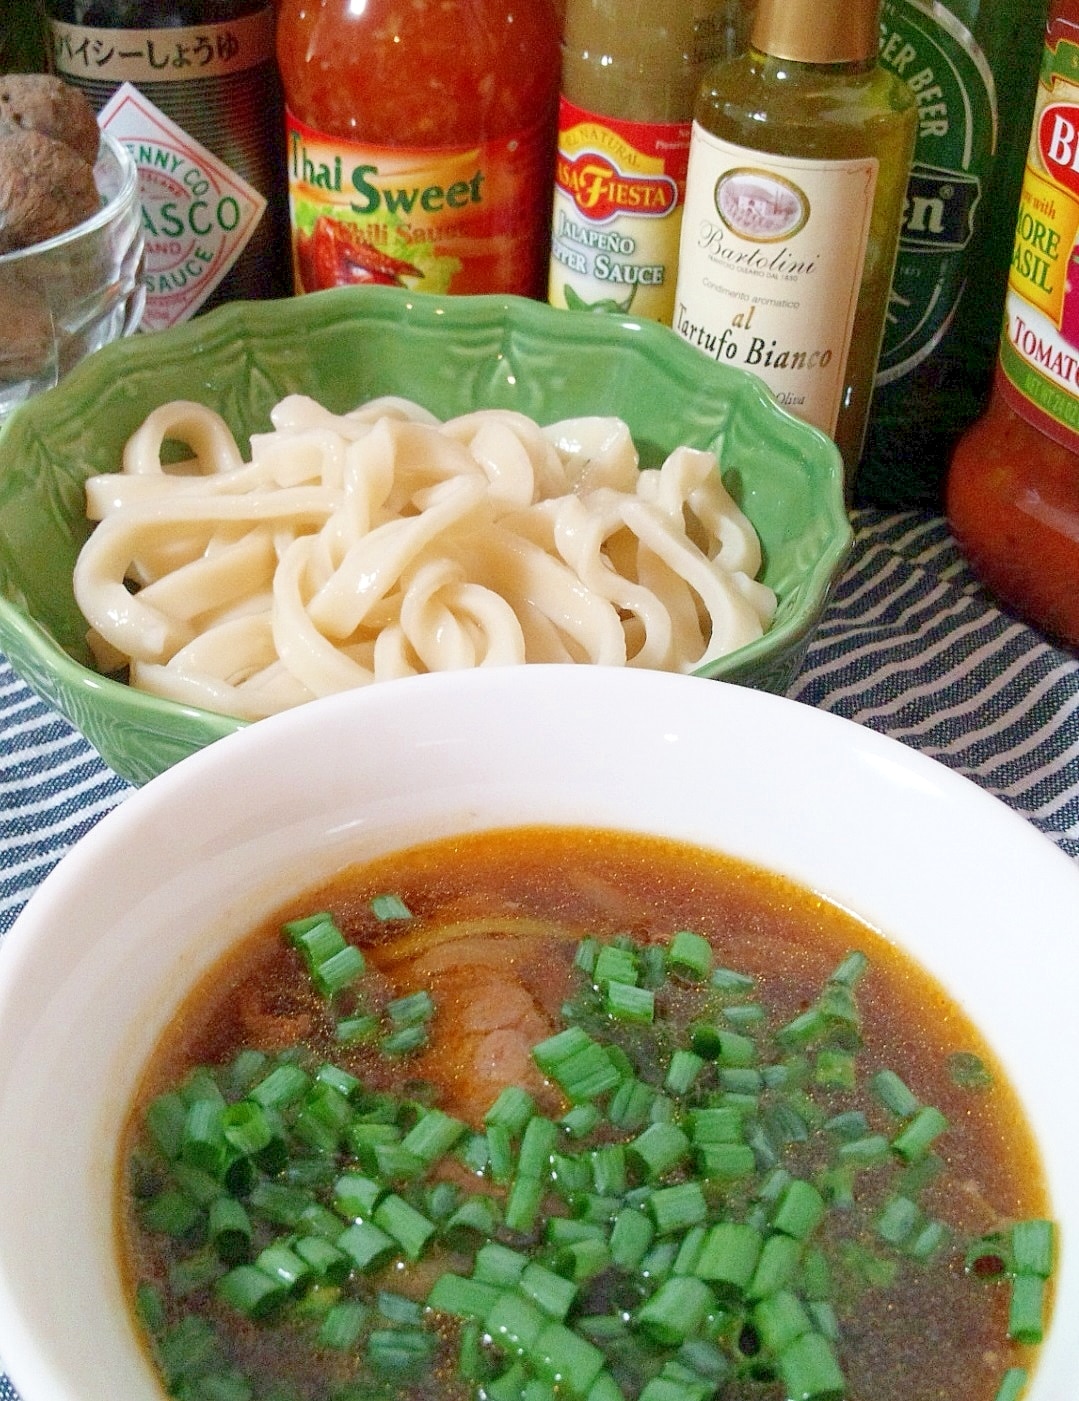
{"x": 420, "y": 142}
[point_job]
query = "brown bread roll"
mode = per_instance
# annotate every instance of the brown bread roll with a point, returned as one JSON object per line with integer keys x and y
{"x": 40, "y": 102}
{"x": 45, "y": 188}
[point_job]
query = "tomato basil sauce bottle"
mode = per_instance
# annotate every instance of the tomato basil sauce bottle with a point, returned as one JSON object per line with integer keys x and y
{"x": 420, "y": 141}
{"x": 1013, "y": 484}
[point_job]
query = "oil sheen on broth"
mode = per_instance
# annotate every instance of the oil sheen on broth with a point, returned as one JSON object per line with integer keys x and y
{"x": 496, "y": 924}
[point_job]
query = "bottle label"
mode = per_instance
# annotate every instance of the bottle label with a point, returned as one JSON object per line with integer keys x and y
{"x": 163, "y": 55}
{"x": 927, "y": 46}
{"x": 438, "y": 220}
{"x": 619, "y": 191}
{"x": 1039, "y": 353}
{"x": 770, "y": 267}
{"x": 197, "y": 214}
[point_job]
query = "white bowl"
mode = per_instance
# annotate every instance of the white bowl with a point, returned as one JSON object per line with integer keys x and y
{"x": 119, "y": 932}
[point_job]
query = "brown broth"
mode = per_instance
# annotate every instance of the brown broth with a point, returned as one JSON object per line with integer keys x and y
{"x": 936, "y": 1335}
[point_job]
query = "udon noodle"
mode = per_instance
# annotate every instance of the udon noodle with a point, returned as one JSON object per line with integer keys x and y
{"x": 380, "y": 543}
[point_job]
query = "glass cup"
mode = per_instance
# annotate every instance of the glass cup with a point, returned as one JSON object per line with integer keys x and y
{"x": 67, "y": 296}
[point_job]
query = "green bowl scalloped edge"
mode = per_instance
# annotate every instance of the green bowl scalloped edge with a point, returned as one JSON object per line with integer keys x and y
{"x": 240, "y": 356}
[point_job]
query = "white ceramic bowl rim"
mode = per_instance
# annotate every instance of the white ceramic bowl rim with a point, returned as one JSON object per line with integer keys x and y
{"x": 143, "y": 904}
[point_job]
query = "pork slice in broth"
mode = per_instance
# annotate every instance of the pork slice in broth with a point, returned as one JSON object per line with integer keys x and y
{"x": 496, "y": 995}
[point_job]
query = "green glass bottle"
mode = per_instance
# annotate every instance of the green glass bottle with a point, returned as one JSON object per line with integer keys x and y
{"x": 798, "y": 166}
{"x": 973, "y": 67}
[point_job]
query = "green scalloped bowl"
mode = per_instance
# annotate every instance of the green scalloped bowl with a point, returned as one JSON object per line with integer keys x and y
{"x": 451, "y": 354}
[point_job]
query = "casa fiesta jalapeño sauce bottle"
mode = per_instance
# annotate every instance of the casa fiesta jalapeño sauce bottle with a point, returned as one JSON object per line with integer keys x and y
{"x": 630, "y": 72}
{"x": 798, "y": 166}
{"x": 191, "y": 88}
{"x": 420, "y": 142}
{"x": 1013, "y": 484}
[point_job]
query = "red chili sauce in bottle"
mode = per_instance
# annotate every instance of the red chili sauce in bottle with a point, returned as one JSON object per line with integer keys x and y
{"x": 1013, "y": 484}
{"x": 421, "y": 141}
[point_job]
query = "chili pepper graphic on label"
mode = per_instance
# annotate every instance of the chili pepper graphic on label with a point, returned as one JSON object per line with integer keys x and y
{"x": 334, "y": 255}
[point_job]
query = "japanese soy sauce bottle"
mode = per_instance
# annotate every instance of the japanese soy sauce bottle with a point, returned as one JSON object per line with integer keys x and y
{"x": 191, "y": 87}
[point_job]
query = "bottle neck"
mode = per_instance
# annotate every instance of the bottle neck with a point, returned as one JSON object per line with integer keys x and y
{"x": 818, "y": 32}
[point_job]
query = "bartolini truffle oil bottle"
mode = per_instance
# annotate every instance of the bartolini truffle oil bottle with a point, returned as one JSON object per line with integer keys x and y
{"x": 798, "y": 165}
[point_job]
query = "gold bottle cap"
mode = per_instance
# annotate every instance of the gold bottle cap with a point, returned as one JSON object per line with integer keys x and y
{"x": 817, "y": 31}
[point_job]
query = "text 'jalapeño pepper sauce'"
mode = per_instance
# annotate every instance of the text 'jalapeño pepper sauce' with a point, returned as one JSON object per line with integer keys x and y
{"x": 1013, "y": 487}
{"x": 420, "y": 140}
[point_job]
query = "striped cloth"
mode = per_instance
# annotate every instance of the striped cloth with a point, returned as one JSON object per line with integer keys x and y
{"x": 910, "y": 646}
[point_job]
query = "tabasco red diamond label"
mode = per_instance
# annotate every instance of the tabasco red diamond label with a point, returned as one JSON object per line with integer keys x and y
{"x": 197, "y": 214}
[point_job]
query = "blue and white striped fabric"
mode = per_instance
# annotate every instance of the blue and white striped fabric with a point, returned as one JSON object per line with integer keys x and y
{"x": 913, "y": 646}
{"x": 910, "y": 646}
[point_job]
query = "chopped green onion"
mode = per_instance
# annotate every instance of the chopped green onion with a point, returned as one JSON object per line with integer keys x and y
{"x": 464, "y": 1298}
{"x": 366, "y": 1244}
{"x": 523, "y": 1204}
{"x": 1012, "y": 1385}
{"x": 628, "y": 1003}
{"x": 851, "y": 969}
{"x": 408, "y": 1227}
{"x": 894, "y": 1094}
{"x": 776, "y": 1266}
{"x": 343, "y": 1325}
{"x": 614, "y": 965}
{"x": 170, "y": 1213}
{"x": 353, "y": 1031}
{"x": 658, "y": 1149}
{"x": 898, "y": 1220}
{"x": 1032, "y": 1248}
{"x": 537, "y": 1147}
{"x": 780, "y": 1318}
{"x": 564, "y": 1357}
{"x": 684, "y": 1068}
{"x": 433, "y": 1135}
{"x": 410, "y": 1009}
{"x": 387, "y": 907}
{"x": 810, "y": 1371}
{"x": 677, "y": 1208}
{"x": 631, "y": 1235}
{"x": 511, "y": 1110}
{"x": 730, "y": 1255}
{"x": 1026, "y": 1313}
{"x": 515, "y": 1319}
{"x": 552, "y": 1292}
{"x": 730, "y": 981}
{"x": 498, "y": 1264}
{"x": 676, "y": 1310}
{"x": 969, "y": 1071}
{"x": 579, "y": 1121}
{"x": 690, "y": 953}
{"x": 251, "y": 1291}
{"x": 405, "y": 1039}
{"x": 229, "y": 1229}
{"x": 913, "y": 1141}
{"x": 800, "y": 1209}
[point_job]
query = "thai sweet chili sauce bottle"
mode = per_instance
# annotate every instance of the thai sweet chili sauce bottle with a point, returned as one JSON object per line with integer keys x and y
{"x": 420, "y": 141}
{"x": 1013, "y": 484}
